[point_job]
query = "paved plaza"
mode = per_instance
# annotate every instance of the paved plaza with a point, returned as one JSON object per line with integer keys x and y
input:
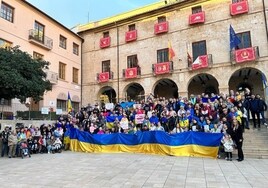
{"x": 70, "y": 169}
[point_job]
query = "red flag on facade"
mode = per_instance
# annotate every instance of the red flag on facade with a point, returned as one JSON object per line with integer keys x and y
{"x": 200, "y": 62}
{"x": 171, "y": 52}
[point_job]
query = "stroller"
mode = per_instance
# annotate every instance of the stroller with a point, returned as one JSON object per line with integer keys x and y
{"x": 56, "y": 146}
{"x": 24, "y": 150}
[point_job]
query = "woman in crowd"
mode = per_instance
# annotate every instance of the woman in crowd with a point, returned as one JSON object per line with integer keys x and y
{"x": 238, "y": 137}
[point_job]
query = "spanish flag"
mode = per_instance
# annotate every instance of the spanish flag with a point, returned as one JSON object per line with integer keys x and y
{"x": 171, "y": 52}
{"x": 69, "y": 104}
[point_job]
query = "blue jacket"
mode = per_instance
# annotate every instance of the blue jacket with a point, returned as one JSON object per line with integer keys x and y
{"x": 254, "y": 105}
{"x": 154, "y": 119}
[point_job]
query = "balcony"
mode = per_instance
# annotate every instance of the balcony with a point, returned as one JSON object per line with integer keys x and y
{"x": 105, "y": 42}
{"x": 131, "y": 72}
{"x": 131, "y": 36}
{"x": 239, "y": 8}
{"x": 197, "y": 18}
{"x": 162, "y": 68}
{"x": 201, "y": 62}
{"x": 245, "y": 55}
{"x": 52, "y": 77}
{"x": 37, "y": 38}
{"x": 104, "y": 76}
{"x": 161, "y": 27}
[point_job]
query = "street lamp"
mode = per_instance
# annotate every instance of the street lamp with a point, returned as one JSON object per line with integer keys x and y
{"x": 2, "y": 103}
{"x": 28, "y": 105}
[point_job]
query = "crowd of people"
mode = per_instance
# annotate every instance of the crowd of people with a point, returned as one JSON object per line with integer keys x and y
{"x": 24, "y": 140}
{"x": 225, "y": 113}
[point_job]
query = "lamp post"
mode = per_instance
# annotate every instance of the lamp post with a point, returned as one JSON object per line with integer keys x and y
{"x": 2, "y": 103}
{"x": 28, "y": 105}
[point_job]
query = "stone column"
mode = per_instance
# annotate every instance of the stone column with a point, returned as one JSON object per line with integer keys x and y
{"x": 183, "y": 93}
{"x": 224, "y": 89}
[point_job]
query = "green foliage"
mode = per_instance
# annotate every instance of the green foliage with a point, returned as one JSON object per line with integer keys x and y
{"x": 21, "y": 76}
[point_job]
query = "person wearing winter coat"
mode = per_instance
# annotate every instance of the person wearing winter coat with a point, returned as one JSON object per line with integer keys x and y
{"x": 12, "y": 143}
{"x": 255, "y": 110}
{"x": 238, "y": 137}
{"x": 228, "y": 146}
{"x": 263, "y": 108}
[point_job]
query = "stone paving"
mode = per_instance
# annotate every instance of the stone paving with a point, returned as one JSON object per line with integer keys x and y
{"x": 70, "y": 169}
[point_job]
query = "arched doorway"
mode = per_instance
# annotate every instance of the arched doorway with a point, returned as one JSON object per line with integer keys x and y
{"x": 109, "y": 92}
{"x": 166, "y": 88}
{"x": 250, "y": 78}
{"x": 134, "y": 91}
{"x": 203, "y": 83}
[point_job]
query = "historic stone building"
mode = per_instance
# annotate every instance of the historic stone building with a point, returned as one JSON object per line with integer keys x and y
{"x": 129, "y": 56}
{"x": 41, "y": 36}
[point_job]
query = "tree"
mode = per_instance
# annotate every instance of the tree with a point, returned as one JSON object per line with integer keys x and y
{"x": 21, "y": 76}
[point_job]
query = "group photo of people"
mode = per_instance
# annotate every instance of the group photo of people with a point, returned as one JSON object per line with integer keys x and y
{"x": 230, "y": 114}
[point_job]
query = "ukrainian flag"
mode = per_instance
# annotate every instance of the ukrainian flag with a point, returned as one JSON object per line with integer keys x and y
{"x": 69, "y": 104}
{"x": 190, "y": 143}
{"x": 110, "y": 120}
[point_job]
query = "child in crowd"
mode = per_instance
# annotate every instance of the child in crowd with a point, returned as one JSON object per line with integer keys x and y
{"x": 228, "y": 146}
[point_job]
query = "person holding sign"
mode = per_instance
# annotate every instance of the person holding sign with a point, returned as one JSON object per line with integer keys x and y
{"x": 124, "y": 123}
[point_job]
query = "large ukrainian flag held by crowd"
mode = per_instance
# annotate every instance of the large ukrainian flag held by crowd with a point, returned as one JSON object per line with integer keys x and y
{"x": 191, "y": 143}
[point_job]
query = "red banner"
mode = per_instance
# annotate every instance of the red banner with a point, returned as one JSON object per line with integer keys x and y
{"x": 105, "y": 42}
{"x": 104, "y": 77}
{"x": 239, "y": 7}
{"x": 246, "y": 54}
{"x": 162, "y": 68}
{"x": 197, "y": 18}
{"x": 200, "y": 63}
{"x": 161, "y": 27}
{"x": 131, "y": 35}
{"x": 131, "y": 73}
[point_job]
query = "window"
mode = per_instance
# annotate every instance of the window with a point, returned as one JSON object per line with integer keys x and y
{"x": 75, "y": 75}
{"x": 245, "y": 40}
{"x": 162, "y": 55}
{"x": 106, "y": 34}
{"x": 161, "y": 19}
{"x": 39, "y": 31}
{"x": 106, "y": 66}
{"x": 5, "y": 44}
{"x": 131, "y": 27}
{"x": 199, "y": 48}
{"x": 236, "y": 1}
{"x": 75, "y": 106}
{"x": 75, "y": 49}
{"x": 63, "y": 41}
{"x": 61, "y": 104}
{"x": 132, "y": 61}
{"x": 5, "y": 102}
{"x": 196, "y": 9}
{"x": 62, "y": 69}
{"x": 37, "y": 55}
{"x": 7, "y": 12}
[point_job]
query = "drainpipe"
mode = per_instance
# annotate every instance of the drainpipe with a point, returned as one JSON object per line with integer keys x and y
{"x": 81, "y": 79}
{"x": 265, "y": 18}
{"x": 117, "y": 46}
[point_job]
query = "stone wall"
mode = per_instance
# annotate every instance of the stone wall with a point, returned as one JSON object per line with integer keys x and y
{"x": 215, "y": 31}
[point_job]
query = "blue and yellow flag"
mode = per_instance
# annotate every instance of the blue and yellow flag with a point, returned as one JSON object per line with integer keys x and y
{"x": 190, "y": 143}
{"x": 69, "y": 104}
